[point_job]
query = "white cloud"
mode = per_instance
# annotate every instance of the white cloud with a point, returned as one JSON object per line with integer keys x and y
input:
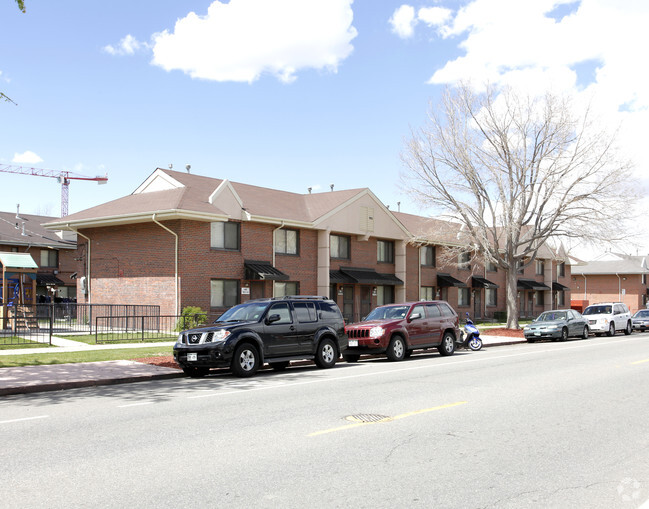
{"x": 403, "y": 21}
{"x": 434, "y": 16}
{"x": 242, "y": 39}
{"x": 27, "y": 157}
{"x": 129, "y": 45}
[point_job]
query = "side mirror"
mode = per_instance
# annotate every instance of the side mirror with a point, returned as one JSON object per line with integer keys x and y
{"x": 272, "y": 319}
{"x": 414, "y": 316}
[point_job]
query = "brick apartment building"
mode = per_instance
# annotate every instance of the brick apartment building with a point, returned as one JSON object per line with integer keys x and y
{"x": 181, "y": 239}
{"x": 611, "y": 277}
{"x": 52, "y": 256}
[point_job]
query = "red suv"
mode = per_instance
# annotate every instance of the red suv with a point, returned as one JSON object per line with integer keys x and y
{"x": 398, "y": 329}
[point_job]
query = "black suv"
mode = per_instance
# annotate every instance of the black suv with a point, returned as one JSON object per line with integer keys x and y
{"x": 275, "y": 331}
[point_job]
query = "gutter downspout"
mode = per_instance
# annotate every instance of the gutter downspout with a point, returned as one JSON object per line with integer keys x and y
{"x": 88, "y": 286}
{"x": 419, "y": 273}
{"x": 175, "y": 261}
{"x": 273, "y": 248}
{"x": 619, "y": 288}
{"x": 585, "y": 286}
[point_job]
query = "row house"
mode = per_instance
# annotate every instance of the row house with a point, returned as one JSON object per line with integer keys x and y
{"x": 182, "y": 239}
{"x": 611, "y": 277}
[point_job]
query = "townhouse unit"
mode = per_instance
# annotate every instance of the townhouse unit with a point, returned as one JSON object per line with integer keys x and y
{"x": 611, "y": 277}
{"x": 38, "y": 265}
{"x": 182, "y": 239}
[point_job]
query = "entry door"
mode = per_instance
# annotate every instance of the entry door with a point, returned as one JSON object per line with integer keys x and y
{"x": 348, "y": 304}
{"x": 477, "y": 304}
{"x": 366, "y": 301}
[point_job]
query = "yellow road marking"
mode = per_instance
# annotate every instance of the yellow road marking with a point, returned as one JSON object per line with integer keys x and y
{"x": 640, "y": 362}
{"x": 387, "y": 419}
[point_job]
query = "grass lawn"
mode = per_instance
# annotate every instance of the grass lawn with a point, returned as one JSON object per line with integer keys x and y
{"x": 119, "y": 338}
{"x": 11, "y": 343}
{"x": 40, "y": 359}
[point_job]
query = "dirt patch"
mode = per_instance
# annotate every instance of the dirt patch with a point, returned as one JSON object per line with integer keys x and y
{"x": 502, "y": 331}
{"x": 166, "y": 361}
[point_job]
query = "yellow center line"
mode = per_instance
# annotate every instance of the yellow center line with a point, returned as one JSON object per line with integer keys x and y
{"x": 640, "y": 362}
{"x": 387, "y": 419}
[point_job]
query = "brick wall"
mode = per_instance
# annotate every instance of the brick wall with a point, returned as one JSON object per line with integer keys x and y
{"x": 627, "y": 288}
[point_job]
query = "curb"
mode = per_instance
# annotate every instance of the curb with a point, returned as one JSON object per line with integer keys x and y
{"x": 58, "y": 386}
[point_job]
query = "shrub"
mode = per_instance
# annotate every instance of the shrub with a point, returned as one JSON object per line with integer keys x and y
{"x": 192, "y": 316}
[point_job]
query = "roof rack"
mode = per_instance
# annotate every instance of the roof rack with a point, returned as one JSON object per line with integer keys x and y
{"x": 301, "y": 297}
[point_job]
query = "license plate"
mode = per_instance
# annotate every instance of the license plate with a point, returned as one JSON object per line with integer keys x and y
{"x": 353, "y": 342}
{"x": 192, "y": 357}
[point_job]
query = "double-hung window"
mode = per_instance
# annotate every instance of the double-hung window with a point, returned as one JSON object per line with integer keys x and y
{"x": 224, "y": 293}
{"x": 427, "y": 256}
{"x": 385, "y": 251}
{"x": 286, "y": 242}
{"x": 339, "y": 246}
{"x": 225, "y": 235}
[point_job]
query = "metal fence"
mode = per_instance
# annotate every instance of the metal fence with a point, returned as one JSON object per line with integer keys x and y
{"x": 37, "y": 323}
{"x": 115, "y": 329}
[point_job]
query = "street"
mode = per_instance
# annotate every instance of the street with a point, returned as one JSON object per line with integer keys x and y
{"x": 557, "y": 425}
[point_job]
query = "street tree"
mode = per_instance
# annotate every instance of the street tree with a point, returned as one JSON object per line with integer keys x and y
{"x": 517, "y": 173}
{"x": 4, "y": 97}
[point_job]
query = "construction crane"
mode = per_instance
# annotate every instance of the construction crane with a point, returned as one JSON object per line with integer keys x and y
{"x": 63, "y": 178}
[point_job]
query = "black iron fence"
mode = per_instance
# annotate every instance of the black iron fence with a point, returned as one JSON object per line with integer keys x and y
{"x": 37, "y": 323}
{"x": 117, "y": 329}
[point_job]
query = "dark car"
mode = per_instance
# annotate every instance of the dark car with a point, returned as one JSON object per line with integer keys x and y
{"x": 640, "y": 320}
{"x": 557, "y": 325}
{"x": 274, "y": 331}
{"x": 399, "y": 329}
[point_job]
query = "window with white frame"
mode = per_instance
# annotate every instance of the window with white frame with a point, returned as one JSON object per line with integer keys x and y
{"x": 491, "y": 267}
{"x": 224, "y": 235}
{"x": 339, "y": 246}
{"x": 49, "y": 258}
{"x": 224, "y": 293}
{"x": 283, "y": 288}
{"x": 464, "y": 297}
{"x": 540, "y": 267}
{"x": 427, "y": 256}
{"x": 491, "y": 296}
{"x": 384, "y": 295}
{"x": 464, "y": 261}
{"x": 286, "y": 242}
{"x": 385, "y": 251}
{"x": 427, "y": 293}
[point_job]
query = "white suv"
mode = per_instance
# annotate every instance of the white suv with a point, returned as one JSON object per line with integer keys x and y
{"x": 608, "y": 317}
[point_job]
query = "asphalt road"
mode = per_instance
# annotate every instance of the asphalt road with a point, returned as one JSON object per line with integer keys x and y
{"x": 532, "y": 425}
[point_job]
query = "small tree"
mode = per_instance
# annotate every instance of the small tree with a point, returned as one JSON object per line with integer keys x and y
{"x": 191, "y": 317}
{"x": 516, "y": 171}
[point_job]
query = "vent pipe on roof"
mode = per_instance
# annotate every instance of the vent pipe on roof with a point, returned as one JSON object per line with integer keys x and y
{"x": 188, "y": 167}
{"x": 309, "y": 189}
{"x": 331, "y": 186}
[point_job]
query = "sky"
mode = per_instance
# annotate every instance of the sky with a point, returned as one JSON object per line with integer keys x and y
{"x": 286, "y": 94}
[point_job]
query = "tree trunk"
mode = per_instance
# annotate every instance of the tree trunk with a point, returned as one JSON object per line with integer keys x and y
{"x": 512, "y": 299}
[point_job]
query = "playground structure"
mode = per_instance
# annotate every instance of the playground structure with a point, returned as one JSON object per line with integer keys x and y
{"x": 18, "y": 294}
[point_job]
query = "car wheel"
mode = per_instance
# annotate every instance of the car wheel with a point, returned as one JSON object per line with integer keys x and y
{"x": 448, "y": 344}
{"x": 584, "y": 334}
{"x": 351, "y": 357}
{"x": 564, "y": 334}
{"x": 326, "y": 355}
{"x": 195, "y": 371}
{"x": 279, "y": 366}
{"x": 531, "y": 340}
{"x": 611, "y": 330}
{"x": 396, "y": 349}
{"x": 245, "y": 361}
{"x": 628, "y": 329}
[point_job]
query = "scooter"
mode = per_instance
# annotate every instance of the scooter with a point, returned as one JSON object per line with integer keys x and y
{"x": 470, "y": 336}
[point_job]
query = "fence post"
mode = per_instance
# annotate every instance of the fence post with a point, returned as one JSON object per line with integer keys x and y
{"x": 51, "y": 321}
{"x": 142, "y": 328}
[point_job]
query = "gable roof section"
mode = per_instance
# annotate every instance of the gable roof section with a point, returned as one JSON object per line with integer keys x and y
{"x": 27, "y": 230}
{"x": 613, "y": 263}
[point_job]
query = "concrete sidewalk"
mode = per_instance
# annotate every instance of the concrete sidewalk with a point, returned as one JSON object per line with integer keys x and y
{"x": 55, "y": 377}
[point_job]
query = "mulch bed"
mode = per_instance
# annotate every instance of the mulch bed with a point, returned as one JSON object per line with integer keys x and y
{"x": 166, "y": 361}
{"x": 502, "y": 331}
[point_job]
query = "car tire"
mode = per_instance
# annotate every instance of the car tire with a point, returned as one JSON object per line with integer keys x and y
{"x": 396, "y": 349}
{"x": 584, "y": 334}
{"x": 351, "y": 357}
{"x": 326, "y": 355}
{"x": 245, "y": 361}
{"x": 195, "y": 371}
{"x": 531, "y": 340}
{"x": 564, "y": 334}
{"x": 279, "y": 366}
{"x": 629, "y": 329}
{"x": 611, "y": 330}
{"x": 448, "y": 345}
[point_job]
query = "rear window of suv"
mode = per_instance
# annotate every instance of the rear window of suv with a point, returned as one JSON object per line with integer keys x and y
{"x": 305, "y": 312}
{"x": 329, "y": 311}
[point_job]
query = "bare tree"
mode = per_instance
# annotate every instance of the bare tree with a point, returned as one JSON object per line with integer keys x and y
{"x": 517, "y": 171}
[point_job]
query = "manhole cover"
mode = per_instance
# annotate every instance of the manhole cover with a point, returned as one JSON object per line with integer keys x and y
{"x": 368, "y": 418}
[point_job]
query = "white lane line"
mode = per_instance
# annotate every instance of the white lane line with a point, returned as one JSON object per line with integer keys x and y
{"x": 142, "y": 403}
{"x": 25, "y": 419}
{"x": 451, "y": 362}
